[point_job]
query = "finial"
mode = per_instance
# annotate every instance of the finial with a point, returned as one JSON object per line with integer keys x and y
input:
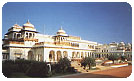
{"x": 28, "y": 21}
{"x": 61, "y": 28}
{"x": 16, "y": 23}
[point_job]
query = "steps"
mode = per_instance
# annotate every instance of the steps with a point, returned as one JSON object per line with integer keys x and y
{"x": 78, "y": 67}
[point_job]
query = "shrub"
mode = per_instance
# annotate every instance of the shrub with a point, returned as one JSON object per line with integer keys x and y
{"x": 7, "y": 70}
{"x": 55, "y": 68}
{"x": 38, "y": 69}
{"x": 63, "y": 64}
{"x": 7, "y": 67}
{"x": 71, "y": 69}
{"x": 23, "y": 65}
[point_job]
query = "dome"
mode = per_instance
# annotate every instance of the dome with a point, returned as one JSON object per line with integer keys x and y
{"x": 122, "y": 43}
{"x": 28, "y": 24}
{"x": 113, "y": 43}
{"x": 15, "y": 25}
{"x": 61, "y": 32}
{"x": 128, "y": 44}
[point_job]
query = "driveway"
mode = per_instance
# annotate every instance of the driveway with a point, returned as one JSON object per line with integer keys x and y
{"x": 121, "y": 72}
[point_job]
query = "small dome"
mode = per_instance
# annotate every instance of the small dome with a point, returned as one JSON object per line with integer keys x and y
{"x": 28, "y": 24}
{"x": 15, "y": 25}
{"x": 113, "y": 43}
{"x": 61, "y": 32}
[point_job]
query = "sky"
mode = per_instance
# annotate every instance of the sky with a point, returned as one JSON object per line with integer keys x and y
{"x": 101, "y": 22}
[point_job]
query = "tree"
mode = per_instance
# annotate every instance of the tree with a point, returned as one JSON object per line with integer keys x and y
{"x": 88, "y": 62}
{"x": 64, "y": 64}
{"x": 123, "y": 58}
{"x": 113, "y": 57}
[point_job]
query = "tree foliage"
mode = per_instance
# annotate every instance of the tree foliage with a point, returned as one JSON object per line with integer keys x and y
{"x": 113, "y": 57}
{"x": 64, "y": 64}
{"x": 88, "y": 62}
{"x": 123, "y": 58}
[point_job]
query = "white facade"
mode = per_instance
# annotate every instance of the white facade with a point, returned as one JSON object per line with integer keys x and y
{"x": 26, "y": 43}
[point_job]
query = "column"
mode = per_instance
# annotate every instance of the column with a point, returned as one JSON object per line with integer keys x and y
{"x": 13, "y": 36}
{"x": 28, "y": 34}
{"x": 55, "y": 55}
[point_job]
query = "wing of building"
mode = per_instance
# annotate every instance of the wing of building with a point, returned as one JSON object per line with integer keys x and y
{"x": 24, "y": 42}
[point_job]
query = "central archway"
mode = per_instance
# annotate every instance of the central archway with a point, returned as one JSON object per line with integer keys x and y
{"x": 52, "y": 55}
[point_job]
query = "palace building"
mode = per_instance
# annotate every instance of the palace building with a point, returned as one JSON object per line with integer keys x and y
{"x": 24, "y": 42}
{"x": 121, "y": 49}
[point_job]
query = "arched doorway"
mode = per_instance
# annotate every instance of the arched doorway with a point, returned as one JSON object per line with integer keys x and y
{"x": 59, "y": 55}
{"x": 30, "y": 55}
{"x": 85, "y": 54}
{"x": 78, "y": 55}
{"x": 88, "y": 54}
{"x": 65, "y": 54}
{"x": 73, "y": 54}
{"x": 81, "y": 54}
{"x": 52, "y": 56}
{"x": 99, "y": 56}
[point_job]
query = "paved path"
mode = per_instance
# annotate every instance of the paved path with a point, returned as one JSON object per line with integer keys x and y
{"x": 121, "y": 72}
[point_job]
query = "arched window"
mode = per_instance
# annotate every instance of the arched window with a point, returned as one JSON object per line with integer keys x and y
{"x": 30, "y": 35}
{"x": 33, "y": 35}
{"x": 65, "y": 54}
{"x": 18, "y": 35}
{"x": 88, "y": 54}
{"x": 78, "y": 55}
{"x": 85, "y": 54}
{"x": 82, "y": 55}
{"x": 73, "y": 54}
{"x": 26, "y": 35}
{"x": 14, "y": 35}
